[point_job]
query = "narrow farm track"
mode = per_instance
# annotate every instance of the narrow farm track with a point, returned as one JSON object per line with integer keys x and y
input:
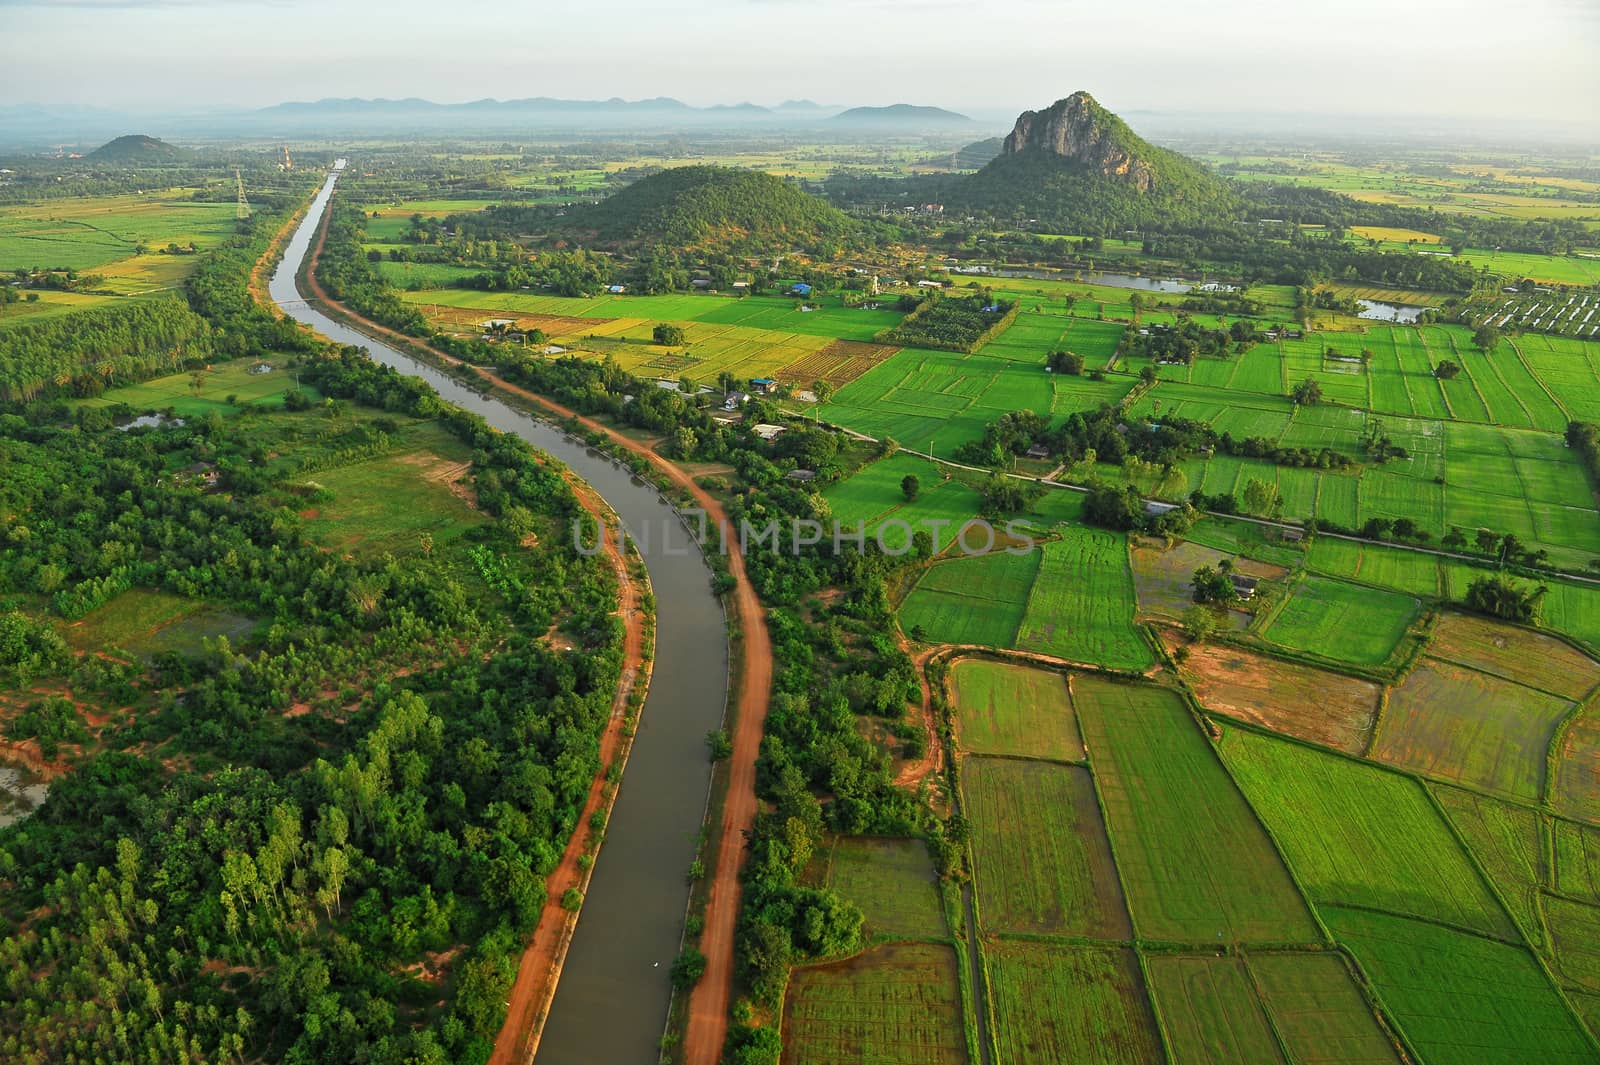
{"x": 932, "y": 761}
{"x": 707, "y": 1024}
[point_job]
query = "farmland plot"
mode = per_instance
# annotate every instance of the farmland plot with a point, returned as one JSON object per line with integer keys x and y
{"x": 1360, "y": 835}
{"x": 1210, "y": 1011}
{"x": 1014, "y": 710}
{"x": 1082, "y": 603}
{"x": 1516, "y": 654}
{"x": 972, "y": 600}
{"x": 1576, "y": 788}
{"x": 1462, "y": 999}
{"x": 1507, "y": 841}
{"x": 1194, "y": 861}
{"x": 1326, "y": 708}
{"x": 1471, "y": 728}
{"x": 895, "y": 1005}
{"x": 1577, "y": 853}
{"x": 1319, "y": 1011}
{"x": 1043, "y": 862}
{"x": 1342, "y": 621}
{"x": 1060, "y": 1003}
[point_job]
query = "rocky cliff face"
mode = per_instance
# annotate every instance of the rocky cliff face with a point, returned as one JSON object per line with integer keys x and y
{"x": 1080, "y": 131}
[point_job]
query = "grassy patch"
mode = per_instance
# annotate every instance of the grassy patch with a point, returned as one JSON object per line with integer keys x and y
{"x": 1196, "y": 865}
{"x": 388, "y": 504}
{"x": 178, "y": 390}
{"x": 892, "y": 881}
{"x": 1043, "y": 862}
{"x": 1014, "y": 710}
{"x": 145, "y": 622}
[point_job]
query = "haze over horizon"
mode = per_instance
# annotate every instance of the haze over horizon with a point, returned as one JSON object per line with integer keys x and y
{"x": 1429, "y": 57}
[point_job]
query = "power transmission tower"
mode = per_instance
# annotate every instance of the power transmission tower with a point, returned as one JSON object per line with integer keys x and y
{"x": 243, "y": 210}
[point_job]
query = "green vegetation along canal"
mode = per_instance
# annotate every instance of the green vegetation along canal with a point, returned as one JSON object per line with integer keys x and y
{"x": 612, "y": 1001}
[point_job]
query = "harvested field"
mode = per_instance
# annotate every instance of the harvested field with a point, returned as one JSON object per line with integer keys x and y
{"x": 1043, "y": 861}
{"x": 1460, "y": 725}
{"x": 1529, "y": 658}
{"x": 838, "y": 364}
{"x": 1008, "y": 709}
{"x": 1312, "y": 704}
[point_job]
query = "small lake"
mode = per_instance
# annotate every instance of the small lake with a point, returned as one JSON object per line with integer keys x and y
{"x": 1378, "y": 311}
{"x": 1095, "y": 277}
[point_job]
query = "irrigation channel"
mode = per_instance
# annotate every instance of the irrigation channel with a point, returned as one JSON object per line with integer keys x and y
{"x": 612, "y": 1000}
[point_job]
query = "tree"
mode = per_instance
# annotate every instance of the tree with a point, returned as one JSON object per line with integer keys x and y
{"x": 1067, "y": 362}
{"x": 1213, "y": 584}
{"x": 1307, "y": 393}
{"x": 1199, "y": 621}
{"x": 1502, "y": 598}
{"x": 1260, "y": 497}
{"x": 822, "y": 390}
{"x": 1447, "y": 370}
{"x": 1486, "y": 541}
{"x": 687, "y": 968}
{"x": 1486, "y": 337}
{"x": 910, "y": 486}
{"x": 668, "y": 335}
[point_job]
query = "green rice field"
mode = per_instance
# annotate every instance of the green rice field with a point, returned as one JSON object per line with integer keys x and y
{"x": 1007, "y": 709}
{"x": 1196, "y": 864}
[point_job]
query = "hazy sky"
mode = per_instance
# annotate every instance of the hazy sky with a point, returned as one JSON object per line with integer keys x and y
{"x": 1468, "y": 58}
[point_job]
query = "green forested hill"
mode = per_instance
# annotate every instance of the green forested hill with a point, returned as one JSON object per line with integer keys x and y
{"x": 697, "y": 205}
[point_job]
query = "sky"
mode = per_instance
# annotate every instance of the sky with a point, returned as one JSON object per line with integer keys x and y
{"x": 1457, "y": 58}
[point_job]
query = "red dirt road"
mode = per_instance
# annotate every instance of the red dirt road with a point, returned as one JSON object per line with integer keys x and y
{"x": 707, "y": 1026}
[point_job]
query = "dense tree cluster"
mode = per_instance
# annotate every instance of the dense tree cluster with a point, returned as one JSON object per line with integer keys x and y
{"x": 241, "y": 882}
{"x": 952, "y": 323}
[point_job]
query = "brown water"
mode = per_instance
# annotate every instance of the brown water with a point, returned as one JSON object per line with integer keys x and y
{"x": 612, "y": 1001}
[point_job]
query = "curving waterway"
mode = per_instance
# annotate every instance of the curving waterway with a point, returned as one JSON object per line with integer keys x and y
{"x": 611, "y": 1004}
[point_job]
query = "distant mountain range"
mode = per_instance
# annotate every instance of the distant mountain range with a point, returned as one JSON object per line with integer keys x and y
{"x": 901, "y": 115}
{"x": 548, "y": 108}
